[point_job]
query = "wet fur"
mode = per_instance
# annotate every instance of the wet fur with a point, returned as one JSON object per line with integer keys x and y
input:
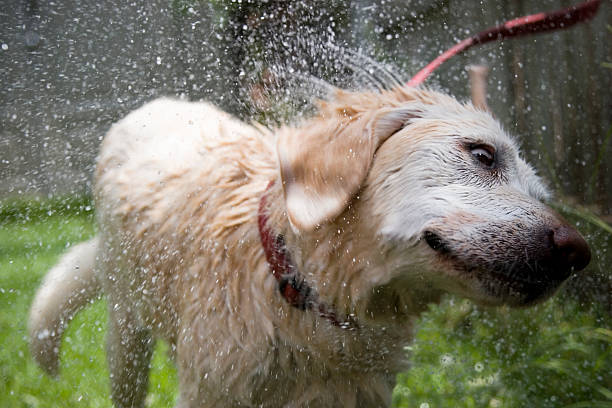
{"x": 179, "y": 256}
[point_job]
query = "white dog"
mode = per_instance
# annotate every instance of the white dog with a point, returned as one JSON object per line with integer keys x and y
{"x": 286, "y": 268}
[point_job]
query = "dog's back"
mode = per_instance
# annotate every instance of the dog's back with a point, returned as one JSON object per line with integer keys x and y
{"x": 163, "y": 171}
{"x": 176, "y": 191}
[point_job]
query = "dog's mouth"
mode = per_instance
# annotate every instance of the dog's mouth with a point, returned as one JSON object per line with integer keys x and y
{"x": 511, "y": 275}
{"x": 520, "y": 285}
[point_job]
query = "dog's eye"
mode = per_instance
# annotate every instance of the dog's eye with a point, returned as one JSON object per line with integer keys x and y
{"x": 484, "y": 154}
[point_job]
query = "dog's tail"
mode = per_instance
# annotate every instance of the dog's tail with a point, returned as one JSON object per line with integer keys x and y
{"x": 68, "y": 286}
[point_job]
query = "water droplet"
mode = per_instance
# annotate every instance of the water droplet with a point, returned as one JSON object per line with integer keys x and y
{"x": 446, "y": 360}
{"x": 43, "y": 334}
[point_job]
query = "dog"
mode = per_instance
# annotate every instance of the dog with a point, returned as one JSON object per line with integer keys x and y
{"x": 286, "y": 268}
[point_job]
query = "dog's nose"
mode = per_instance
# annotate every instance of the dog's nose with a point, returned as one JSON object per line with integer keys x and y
{"x": 570, "y": 249}
{"x": 567, "y": 252}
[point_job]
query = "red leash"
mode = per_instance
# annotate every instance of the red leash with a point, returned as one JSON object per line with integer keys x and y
{"x": 534, "y": 23}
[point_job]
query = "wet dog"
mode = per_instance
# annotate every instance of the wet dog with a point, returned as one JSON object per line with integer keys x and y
{"x": 287, "y": 267}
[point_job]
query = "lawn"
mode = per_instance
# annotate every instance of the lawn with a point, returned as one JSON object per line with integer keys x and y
{"x": 32, "y": 237}
{"x": 558, "y": 354}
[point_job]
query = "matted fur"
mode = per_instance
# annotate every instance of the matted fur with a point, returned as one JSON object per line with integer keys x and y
{"x": 177, "y": 190}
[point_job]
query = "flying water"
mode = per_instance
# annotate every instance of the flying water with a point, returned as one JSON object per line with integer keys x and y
{"x": 289, "y": 91}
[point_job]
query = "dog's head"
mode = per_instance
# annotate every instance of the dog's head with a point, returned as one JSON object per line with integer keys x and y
{"x": 438, "y": 182}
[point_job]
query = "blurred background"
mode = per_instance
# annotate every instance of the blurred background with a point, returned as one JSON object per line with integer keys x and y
{"x": 69, "y": 69}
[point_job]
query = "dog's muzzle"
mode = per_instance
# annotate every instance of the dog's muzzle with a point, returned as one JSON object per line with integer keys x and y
{"x": 520, "y": 271}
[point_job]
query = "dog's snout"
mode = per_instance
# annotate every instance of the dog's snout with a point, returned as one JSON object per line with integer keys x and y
{"x": 570, "y": 248}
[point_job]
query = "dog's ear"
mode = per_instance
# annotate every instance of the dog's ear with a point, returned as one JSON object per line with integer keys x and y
{"x": 324, "y": 163}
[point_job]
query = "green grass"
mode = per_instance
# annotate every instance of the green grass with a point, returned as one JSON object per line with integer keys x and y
{"x": 557, "y": 354}
{"x": 32, "y": 237}
{"x": 553, "y": 355}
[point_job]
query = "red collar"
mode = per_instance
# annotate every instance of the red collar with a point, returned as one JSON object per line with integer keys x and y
{"x": 291, "y": 284}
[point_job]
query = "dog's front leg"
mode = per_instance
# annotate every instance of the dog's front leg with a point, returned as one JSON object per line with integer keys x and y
{"x": 129, "y": 351}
